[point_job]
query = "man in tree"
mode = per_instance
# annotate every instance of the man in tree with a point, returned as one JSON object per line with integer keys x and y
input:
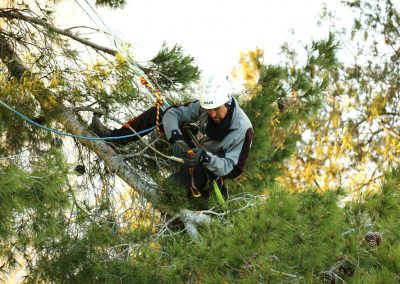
{"x": 219, "y": 147}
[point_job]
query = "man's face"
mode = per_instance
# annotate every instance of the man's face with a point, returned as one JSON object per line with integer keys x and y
{"x": 218, "y": 114}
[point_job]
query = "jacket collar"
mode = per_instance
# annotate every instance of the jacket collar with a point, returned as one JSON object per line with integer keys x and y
{"x": 221, "y": 130}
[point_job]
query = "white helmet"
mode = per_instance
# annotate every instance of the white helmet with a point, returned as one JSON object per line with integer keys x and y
{"x": 216, "y": 92}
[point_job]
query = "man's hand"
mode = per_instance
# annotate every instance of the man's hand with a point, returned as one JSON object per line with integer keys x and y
{"x": 194, "y": 157}
{"x": 179, "y": 148}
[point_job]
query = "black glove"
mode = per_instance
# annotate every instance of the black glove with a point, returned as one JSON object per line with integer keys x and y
{"x": 194, "y": 157}
{"x": 179, "y": 148}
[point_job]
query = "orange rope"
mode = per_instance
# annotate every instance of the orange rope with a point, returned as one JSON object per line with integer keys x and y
{"x": 159, "y": 100}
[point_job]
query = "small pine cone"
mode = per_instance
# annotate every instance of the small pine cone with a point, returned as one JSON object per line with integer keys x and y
{"x": 372, "y": 243}
{"x": 273, "y": 258}
{"x": 80, "y": 169}
{"x": 347, "y": 268}
{"x": 378, "y": 238}
{"x": 281, "y": 105}
{"x": 373, "y": 239}
{"x": 328, "y": 277}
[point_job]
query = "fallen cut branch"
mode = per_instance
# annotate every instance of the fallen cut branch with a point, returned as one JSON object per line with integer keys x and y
{"x": 190, "y": 219}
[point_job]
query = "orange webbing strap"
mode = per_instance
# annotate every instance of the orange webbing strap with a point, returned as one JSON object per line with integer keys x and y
{"x": 128, "y": 123}
{"x": 195, "y": 192}
{"x": 193, "y": 188}
{"x": 159, "y": 100}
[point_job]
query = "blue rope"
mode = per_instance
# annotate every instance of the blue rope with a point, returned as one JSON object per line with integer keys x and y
{"x": 71, "y": 135}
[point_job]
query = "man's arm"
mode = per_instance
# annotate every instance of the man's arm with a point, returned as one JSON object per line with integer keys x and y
{"x": 232, "y": 165}
{"x": 176, "y": 116}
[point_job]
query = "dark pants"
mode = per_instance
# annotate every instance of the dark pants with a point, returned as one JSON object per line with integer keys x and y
{"x": 142, "y": 122}
{"x": 200, "y": 179}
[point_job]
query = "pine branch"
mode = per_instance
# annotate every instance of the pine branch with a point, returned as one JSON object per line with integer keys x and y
{"x": 16, "y": 14}
{"x": 286, "y": 274}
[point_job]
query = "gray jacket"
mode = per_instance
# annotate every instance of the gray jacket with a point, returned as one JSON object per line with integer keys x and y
{"x": 227, "y": 156}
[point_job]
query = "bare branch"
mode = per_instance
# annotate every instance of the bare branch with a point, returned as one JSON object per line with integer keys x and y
{"x": 15, "y": 14}
{"x": 10, "y": 59}
{"x": 190, "y": 219}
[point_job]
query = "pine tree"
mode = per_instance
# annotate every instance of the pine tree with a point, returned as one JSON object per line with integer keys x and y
{"x": 76, "y": 222}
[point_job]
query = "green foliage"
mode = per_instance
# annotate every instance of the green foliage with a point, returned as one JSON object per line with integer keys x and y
{"x": 261, "y": 111}
{"x": 17, "y": 132}
{"x": 255, "y": 245}
{"x": 174, "y": 71}
{"x": 173, "y": 194}
{"x": 31, "y": 201}
{"x": 379, "y": 212}
{"x": 357, "y": 126}
{"x": 289, "y": 237}
{"x": 110, "y": 84}
{"x": 111, "y": 3}
{"x": 298, "y": 91}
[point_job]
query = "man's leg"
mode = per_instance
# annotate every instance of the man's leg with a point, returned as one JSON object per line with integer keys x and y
{"x": 197, "y": 178}
{"x": 142, "y": 122}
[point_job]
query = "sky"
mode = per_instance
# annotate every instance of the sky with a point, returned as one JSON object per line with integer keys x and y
{"x": 212, "y": 31}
